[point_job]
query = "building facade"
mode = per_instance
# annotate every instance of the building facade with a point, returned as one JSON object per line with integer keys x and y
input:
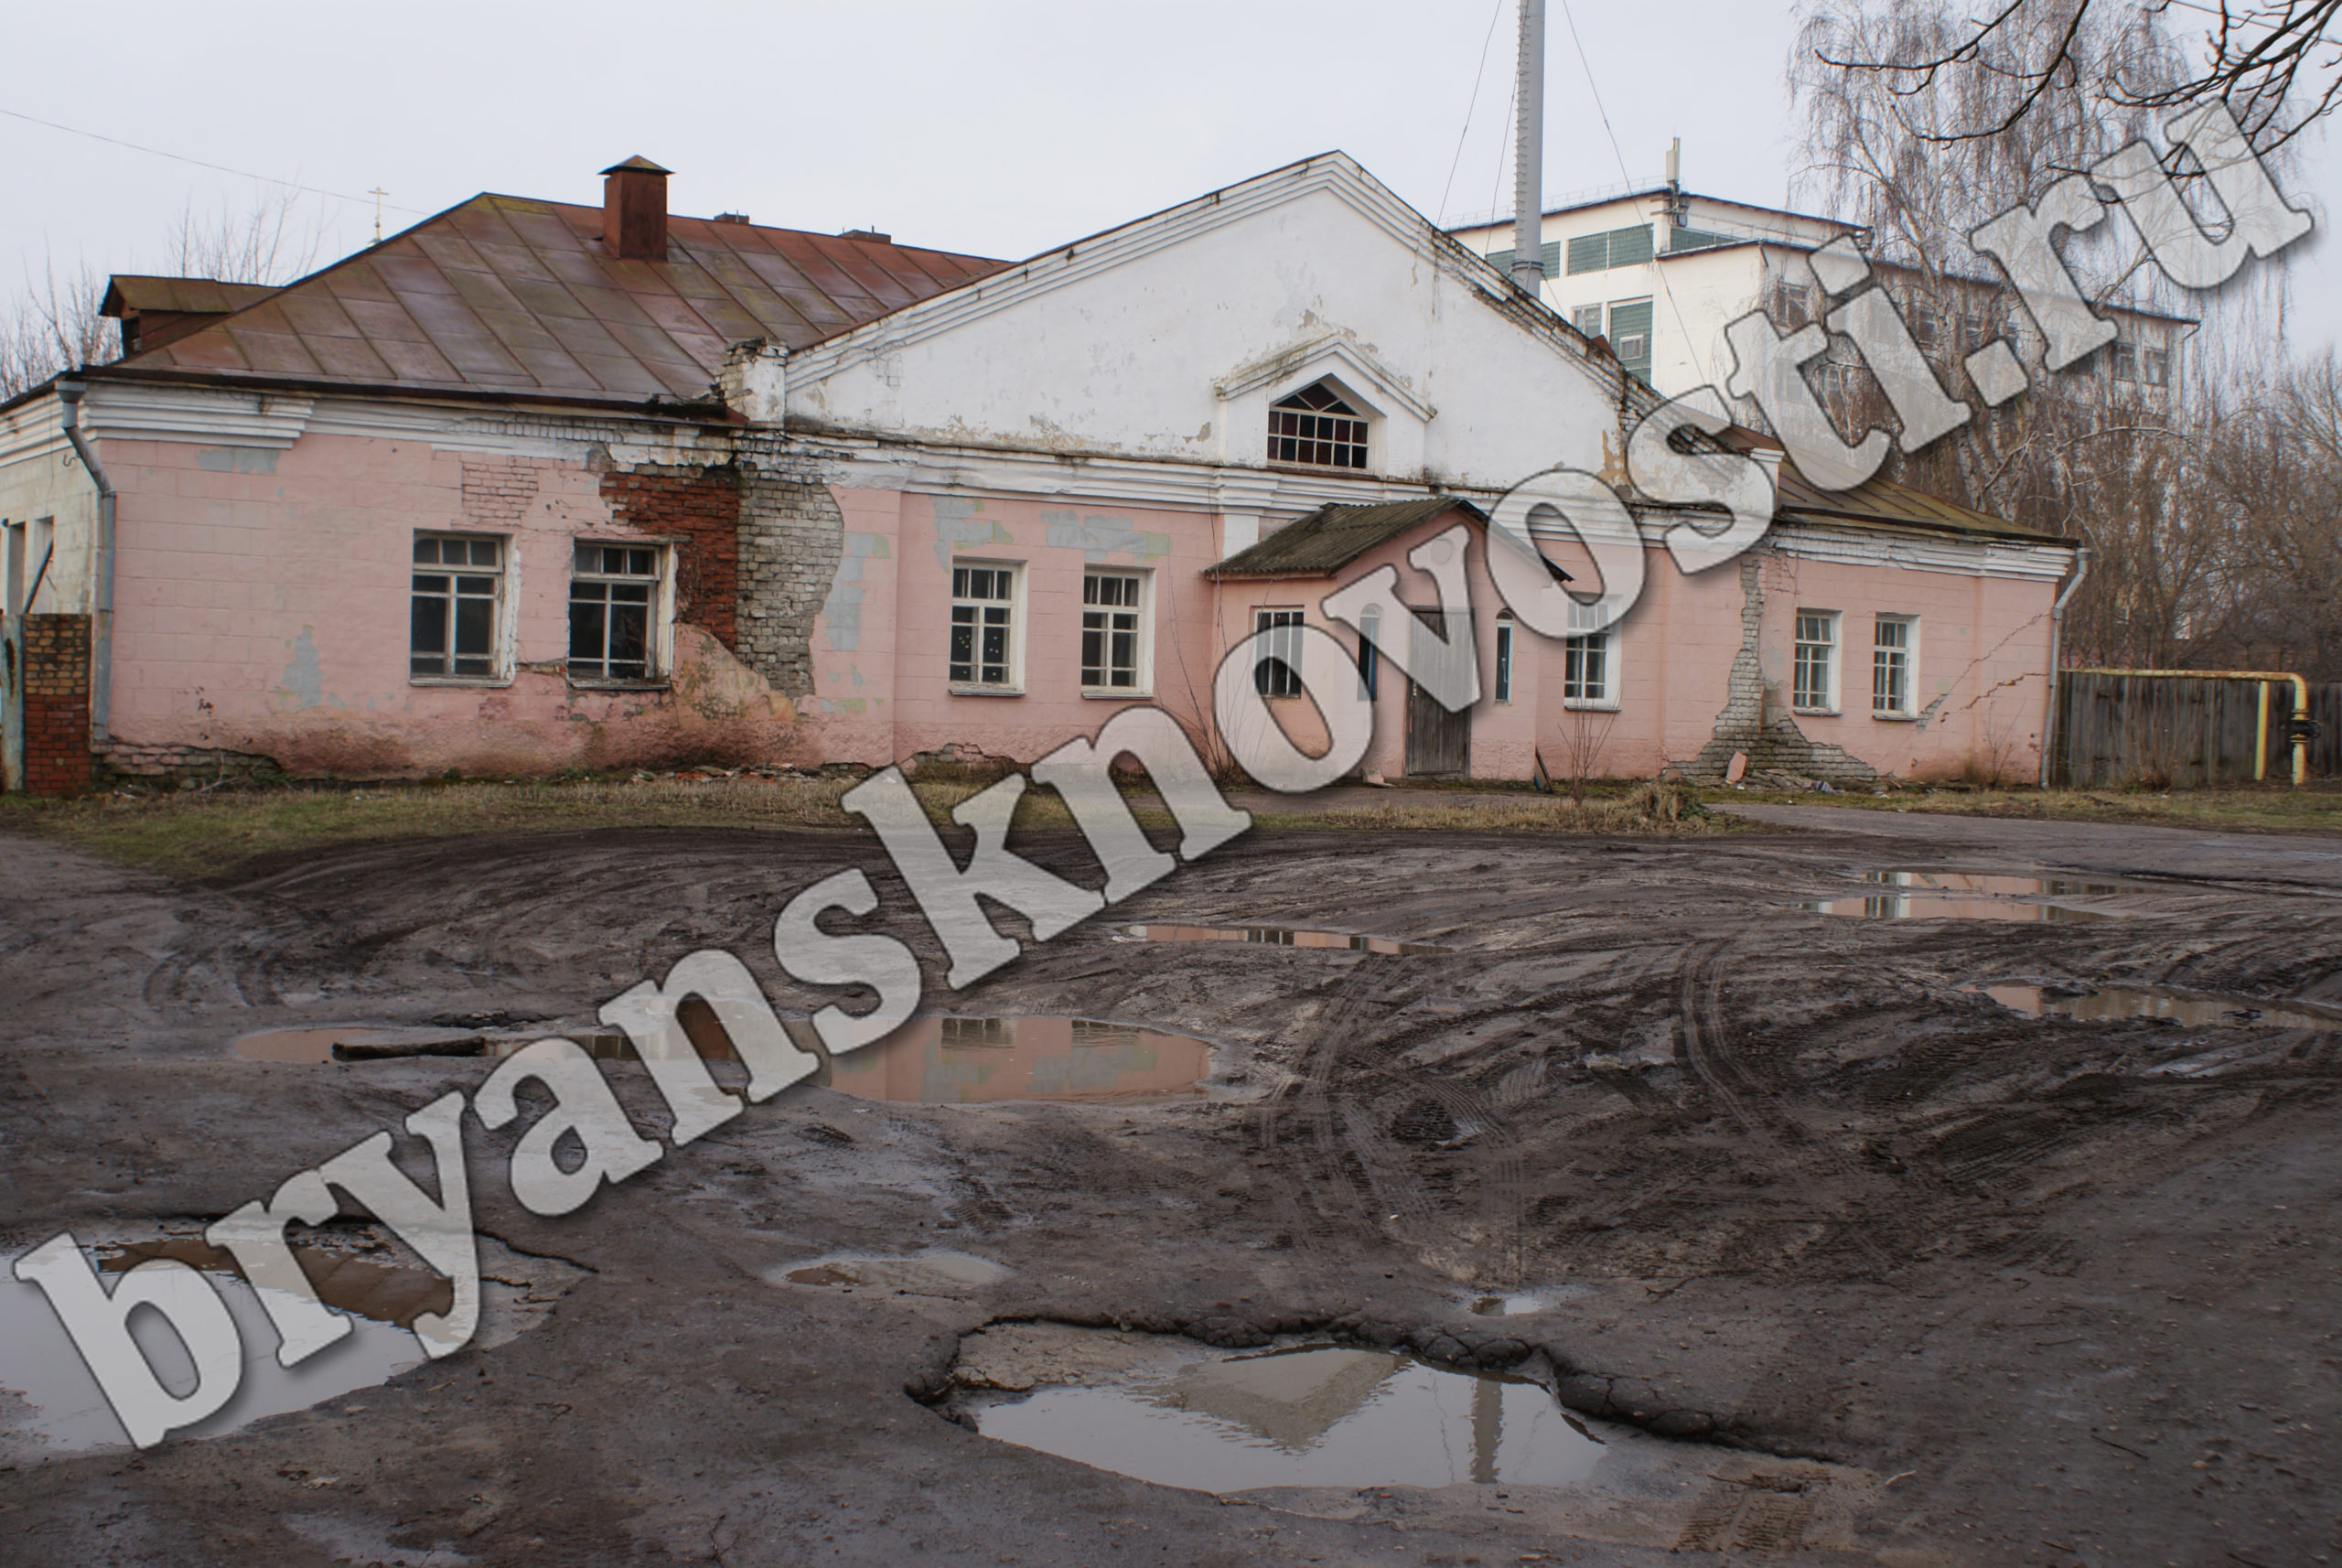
{"x": 535, "y": 486}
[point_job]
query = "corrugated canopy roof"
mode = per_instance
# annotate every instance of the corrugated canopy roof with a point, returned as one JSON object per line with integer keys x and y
{"x": 510, "y": 296}
{"x": 1332, "y": 537}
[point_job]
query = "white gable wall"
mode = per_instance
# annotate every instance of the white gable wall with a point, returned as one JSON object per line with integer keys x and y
{"x": 1170, "y": 338}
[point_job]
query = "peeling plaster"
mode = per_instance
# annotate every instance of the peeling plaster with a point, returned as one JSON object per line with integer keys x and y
{"x": 842, "y": 612}
{"x": 304, "y": 681}
{"x": 957, "y": 526}
{"x": 1100, "y": 535}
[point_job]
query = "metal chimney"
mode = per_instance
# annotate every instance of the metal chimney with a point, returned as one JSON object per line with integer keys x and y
{"x": 1529, "y": 154}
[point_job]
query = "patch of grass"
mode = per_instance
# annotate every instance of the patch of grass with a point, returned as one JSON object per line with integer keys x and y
{"x": 209, "y": 833}
{"x": 204, "y": 834}
{"x": 2316, "y": 807}
{"x": 1663, "y": 809}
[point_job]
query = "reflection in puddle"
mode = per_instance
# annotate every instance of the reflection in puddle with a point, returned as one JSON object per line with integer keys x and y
{"x": 1970, "y": 896}
{"x": 1281, "y": 936}
{"x": 2154, "y": 1001}
{"x": 1509, "y": 1306}
{"x": 1305, "y": 1418}
{"x": 933, "y": 1272}
{"x": 63, "y": 1409}
{"x": 380, "y": 1042}
{"x": 1995, "y": 885}
{"x": 969, "y": 1060}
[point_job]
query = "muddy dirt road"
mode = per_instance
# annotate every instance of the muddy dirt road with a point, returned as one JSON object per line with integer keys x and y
{"x": 1846, "y": 1263}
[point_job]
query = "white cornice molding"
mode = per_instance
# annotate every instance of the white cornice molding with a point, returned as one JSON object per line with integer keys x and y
{"x": 211, "y": 416}
{"x": 1298, "y": 358}
{"x": 34, "y": 430}
{"x": 1334, "y": 173}
{"x": 1920, "y": 552}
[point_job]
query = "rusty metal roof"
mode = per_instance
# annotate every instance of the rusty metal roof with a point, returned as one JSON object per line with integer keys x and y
{"x": 1876, "y": 500}
{"x": 128, "y": 292}
{"x": 1332, "y": 537}
{"x": 509, "y": 295}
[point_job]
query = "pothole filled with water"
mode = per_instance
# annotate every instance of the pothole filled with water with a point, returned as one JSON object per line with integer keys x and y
{"x": 1970, "y": 896}
{"x": 1170, "y": 1411}
{"x": 1280, "y": 937}
{"x": 951, "y": 1061}
{"x": 969, "y": 1061}
{"x": 936, "y": 1271}
{"x": 50, "y": 1403}
{"x": 2197, "y": 1008}
{"x": 382, "y": 1042}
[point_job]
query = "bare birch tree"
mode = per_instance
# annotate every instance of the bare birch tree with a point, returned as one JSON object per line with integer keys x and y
{"x": 53, "y": 325}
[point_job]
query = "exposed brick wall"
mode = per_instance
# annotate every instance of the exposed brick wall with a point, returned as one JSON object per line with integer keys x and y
{"x": 701, "y": 507}
{"x": 497, "y": 490}
{"x": 57, "y": 704}
{"x": 791, "y": 538}
{"x": 1755, "y": 719}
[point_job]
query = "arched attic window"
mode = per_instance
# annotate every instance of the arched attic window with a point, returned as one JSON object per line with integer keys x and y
{"x": 1315, "y": 426}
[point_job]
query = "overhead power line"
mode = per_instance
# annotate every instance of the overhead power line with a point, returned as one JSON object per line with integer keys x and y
{"x": 200, "y": 163}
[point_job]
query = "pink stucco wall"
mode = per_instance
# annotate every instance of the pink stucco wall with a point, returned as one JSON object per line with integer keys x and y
{"x": 881, "y": 689}
{"x": 1982, "y": 649}
{"x": 262, "y": 604}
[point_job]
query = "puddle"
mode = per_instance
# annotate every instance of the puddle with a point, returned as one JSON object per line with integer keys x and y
{"x": 1177, "y": 1415}
{"x": 50, "y": 1404}
{"x": 1509, "y": 1306}
{"x": 1281, "y": 936}
{"x": 1970, "y": 896}
{"x": 2154, "y": 1002}
{"x": 960, "y": 1061}
{"x": 968, "y": 1061}
{"x": 934, "y": 1273}
{"x": 1997, "y": 884}
{"x": 314, "y": 1043}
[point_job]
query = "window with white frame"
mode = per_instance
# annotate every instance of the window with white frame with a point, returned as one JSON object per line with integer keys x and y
{"x": 456, "y": 607}
{"x": 1315, "y": 425}
{"x": 1504, "y": 656}
{"x": 1588, "y": 680}
{"x": 1894, "y": 648}
{"x": 1815, "y": 687}
{"x": 984, "y": 626}
{"x": 1278, "y": 671}
{"x": 613, "y": 597}
{"x": 1112, "y": 632}
{"x": 1369, "y": 652}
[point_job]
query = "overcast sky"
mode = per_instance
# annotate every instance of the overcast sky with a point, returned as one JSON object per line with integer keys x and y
{"x": 1000, "y": 129}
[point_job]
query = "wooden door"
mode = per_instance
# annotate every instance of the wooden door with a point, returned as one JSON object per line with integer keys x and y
{"x": 1439, "y": 744}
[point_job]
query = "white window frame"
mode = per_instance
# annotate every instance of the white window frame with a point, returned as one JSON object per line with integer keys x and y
{"x": 499, "y": 661}
{"x": 1800, "y": 700}
{"x": 1908, "y": 706}
{"x": 1506, "y": 643}
{"x": 1142, "y": 651}
{"x": 658, "y": 640}
{"x": 1014, "y": 684}
{"x": 1370, "y": 653}
{"x": 1587, "y": 637}
{"x": 1285, "y": 650}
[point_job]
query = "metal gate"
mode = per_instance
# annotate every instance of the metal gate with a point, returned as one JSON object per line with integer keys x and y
{"x": 1439, "y": 744}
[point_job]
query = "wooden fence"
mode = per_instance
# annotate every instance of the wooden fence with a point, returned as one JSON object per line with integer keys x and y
{"x": 2171, "y": 731}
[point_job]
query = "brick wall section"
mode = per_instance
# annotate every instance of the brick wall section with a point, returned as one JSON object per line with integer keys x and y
{"x": 497, "y": 490}
{"x": 57, "y": 704}
{"x": 1757, "y": 722}
{"x": 792, "y": 537}
{"x": 702, "y": 508}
